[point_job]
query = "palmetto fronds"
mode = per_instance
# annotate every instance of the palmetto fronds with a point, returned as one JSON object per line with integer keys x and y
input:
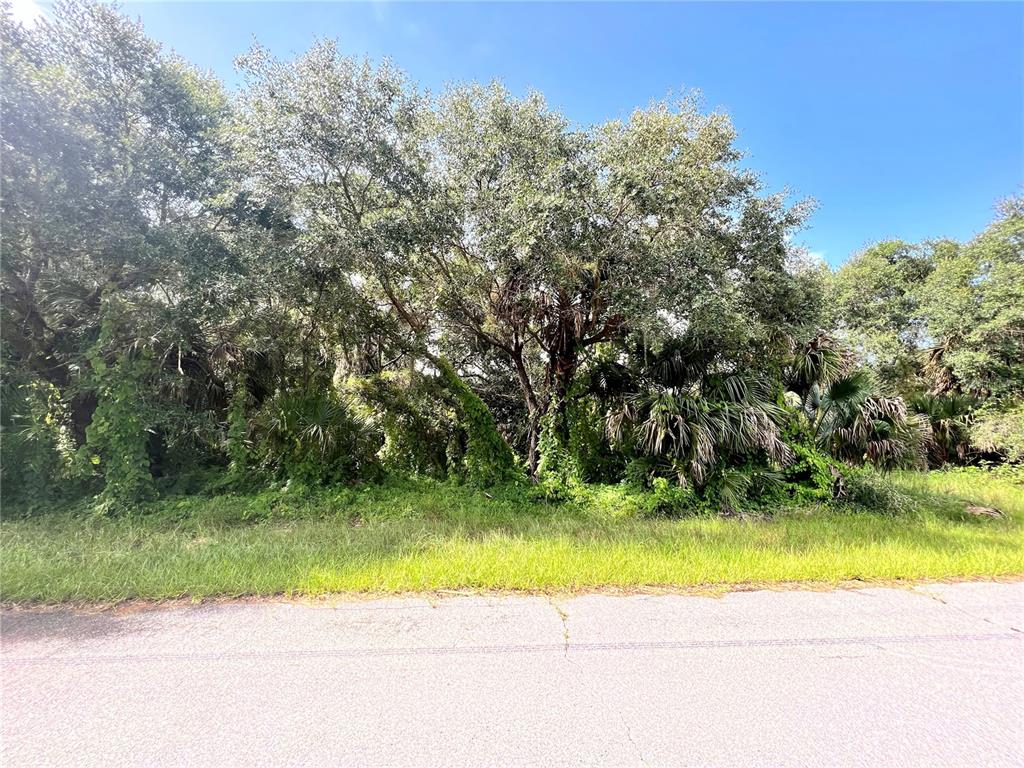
{"x": 854, "y": 423}
{"x": 949, "y": 418}
{"x": 737, "y": 484}
{"x": 820, "y": 361}
{"x": 837, "y": 402}
{"x": 699, "y": 429}
{"x": 313, "y": 434}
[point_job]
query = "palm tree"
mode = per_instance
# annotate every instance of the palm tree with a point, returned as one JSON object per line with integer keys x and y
{"x": 853, "y": 422}
{"x": 949, "y": 417}
{"x": 819, "y": 361}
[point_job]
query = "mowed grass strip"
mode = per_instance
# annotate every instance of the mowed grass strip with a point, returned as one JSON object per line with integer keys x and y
{"x": 422, "y": 536}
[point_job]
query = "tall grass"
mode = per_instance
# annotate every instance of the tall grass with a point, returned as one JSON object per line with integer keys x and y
{"x": 421, "y": 535}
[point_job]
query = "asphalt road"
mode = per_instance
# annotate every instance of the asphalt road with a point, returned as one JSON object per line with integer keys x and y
{"x": 930, "y": 676}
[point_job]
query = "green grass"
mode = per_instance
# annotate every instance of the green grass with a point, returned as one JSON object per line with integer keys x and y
{"x": 420, "y": 536}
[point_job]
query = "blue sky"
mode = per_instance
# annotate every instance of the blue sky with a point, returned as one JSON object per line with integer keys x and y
{"x": 901, "y": 120}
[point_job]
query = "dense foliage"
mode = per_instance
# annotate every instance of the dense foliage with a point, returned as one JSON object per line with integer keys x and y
{"x": 331, "y": 275}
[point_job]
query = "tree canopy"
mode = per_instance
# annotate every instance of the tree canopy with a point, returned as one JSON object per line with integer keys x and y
{"x": 332, "y": 274}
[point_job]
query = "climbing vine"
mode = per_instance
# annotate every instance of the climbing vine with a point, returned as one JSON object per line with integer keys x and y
{"x": 488, "y": 460}
{"x": 422, "y": 433}
{"x": 117, "y": 437}
{"x": 34, "y": 443}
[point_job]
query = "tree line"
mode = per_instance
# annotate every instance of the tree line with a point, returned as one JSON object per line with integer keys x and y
{"x": 330, "y": 274}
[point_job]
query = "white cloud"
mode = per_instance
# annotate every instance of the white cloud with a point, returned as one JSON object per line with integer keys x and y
{"x": 28, "y": 12}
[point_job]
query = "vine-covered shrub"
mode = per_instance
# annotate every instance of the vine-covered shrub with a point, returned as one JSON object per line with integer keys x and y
{"x": 558, "y": 470}
{"x": 999, "y": 429}
{"x": 314, "y": 436}
{"x": 35, "y": 447}
{"x": 579, "y": 455}
{"x": 488, "y": 459}
{"x": 812, "y": 475}
{"x": 117, "y": 438}
{"x": 668, "y": 499}
{"x": 418, "y": 417}
{"x": 595, "y": 459}
{"x": 123, "y": 432}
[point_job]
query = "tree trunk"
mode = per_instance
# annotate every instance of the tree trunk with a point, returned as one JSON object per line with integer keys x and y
{"x": 533, "y": 439}
{"x": 533, "y": 408}
{"x": 564, "y": 361}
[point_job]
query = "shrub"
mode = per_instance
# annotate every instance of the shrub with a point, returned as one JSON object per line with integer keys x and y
{"x": 418, "y": 417}
{"x": 999, "y": 428}
{"x": 488, "y": 459}
{"x": 733, "y": 490}
{"x": 35, "y": 447}
{"x": 867, "y": 488}
{"x": 237, "y": 437}
{"x": 117, "y": 438}
{"x": 697, "y": 433}
{"x": 811, "y": 476}
{"x": 639, "y": 471}
{"x": 855, "y": 423}
{"x": 557, "y": 469}
{"x": 594, "y": 458}
{"x": 313, "y": 436}
{"x": 949, "y": 418}
{"x": 986, "y": 471}
{"x": 668, "y": 499}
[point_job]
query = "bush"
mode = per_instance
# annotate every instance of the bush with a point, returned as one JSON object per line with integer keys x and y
{"x": 986, "y": 471}
{"x": 313, "y": 436}
{"x": 733, "y": 490}
{"x": 594, "y": 458}
{"x": 867, "y": 488}
{"x": 668, "y": 499}
{"x": 117, "y": 438}
{"x": 237, "y": 437}
{"x": 811, "y": 476}
{"x": 639, "y": 471}
{"x": 422, "y": 435}
{"x": 558, "y": 470}
{"x": 488, "y": 459}
{"x": 999, "y": 429}
{"x": 949, "y": 418}
{"x": 35, "y": 447}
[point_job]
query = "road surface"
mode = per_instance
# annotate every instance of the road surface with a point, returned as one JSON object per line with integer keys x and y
{"x": 929, "y": 676}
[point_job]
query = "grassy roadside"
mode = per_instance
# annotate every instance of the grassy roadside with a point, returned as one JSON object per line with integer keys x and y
{"x": 417, "y": 535}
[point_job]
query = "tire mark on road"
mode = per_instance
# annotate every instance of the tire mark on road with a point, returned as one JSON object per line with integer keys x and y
{"x": 566, "y": 648}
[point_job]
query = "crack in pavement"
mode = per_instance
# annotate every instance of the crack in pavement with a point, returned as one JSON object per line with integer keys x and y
{"x": 922, "y": 590}
{"x": 565, "y": 623}
{"x": 629, "y": 735}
